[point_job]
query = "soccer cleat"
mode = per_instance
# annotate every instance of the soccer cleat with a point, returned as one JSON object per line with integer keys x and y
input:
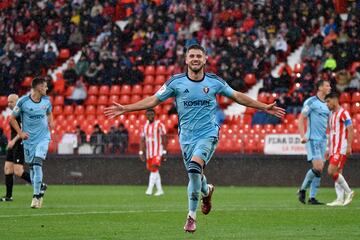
{"x": 206, "y": 201}
{"x": 335, "y": 203}
{"x": 314, "y": 201}
{"x": 190, "y": 225}
{"x": 159, "y": 193}
{"x": 348, "y": 198}
{"x": 6, "y": 199}
{"x": 43, "y": 188}
{"x": 148, "y": 192}
{"x": 35, "y": 203}
{"x": 302, "y": 196}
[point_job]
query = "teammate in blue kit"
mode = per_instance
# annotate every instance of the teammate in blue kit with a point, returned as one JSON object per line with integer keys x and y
{"x": 195, "y": 95}
{"x": 317, "y": 113}
{"x": 36, "y": 117}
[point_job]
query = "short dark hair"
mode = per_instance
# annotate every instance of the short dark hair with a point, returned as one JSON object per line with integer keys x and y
{"x": 150, "y": 110}
{"x": 37, "y": 81}
{"x": 320, "y": 83}
{"x": 197, "y": 47}
{"x": 332, "y": 95}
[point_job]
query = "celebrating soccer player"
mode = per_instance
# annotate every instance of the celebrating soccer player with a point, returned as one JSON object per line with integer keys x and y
{"x": 153, "y": 143}
{"x": 317, "y": 113}
{"x": 195, "y": 93}
{"x": 340, "y": 139}
{"x": 36, "y": 117}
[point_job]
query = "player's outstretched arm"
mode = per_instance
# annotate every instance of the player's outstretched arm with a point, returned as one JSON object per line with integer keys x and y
{"x": 243, "y": 99}
{"x": 117, "y": 109}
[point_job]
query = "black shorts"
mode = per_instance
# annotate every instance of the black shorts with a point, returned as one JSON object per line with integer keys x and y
{"x": 16, "y": 154}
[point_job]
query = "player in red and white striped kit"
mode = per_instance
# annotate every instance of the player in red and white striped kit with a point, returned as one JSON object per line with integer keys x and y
{"x": 153, "y": 144}
{"x": 340, "y": 139}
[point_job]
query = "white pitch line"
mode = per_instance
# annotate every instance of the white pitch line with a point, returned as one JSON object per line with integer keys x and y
{"x": 164, "y": 211}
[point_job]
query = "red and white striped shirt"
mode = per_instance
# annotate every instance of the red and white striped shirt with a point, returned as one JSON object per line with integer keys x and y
{"x": 152, "y": 133}
{"x": 338, "y": 121}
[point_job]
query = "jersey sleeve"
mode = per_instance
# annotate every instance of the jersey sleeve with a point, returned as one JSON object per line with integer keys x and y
{"x": 226, "y": 90}
{"x": 18, "y": 108}
{"x": 49, "y": 108}
{"x": 345, "y": 117}
{"x": 306, "y": 108}
{"x": 166, "y": 91}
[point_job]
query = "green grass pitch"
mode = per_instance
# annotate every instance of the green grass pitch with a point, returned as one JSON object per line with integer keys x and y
{"x": 125, "y": 212}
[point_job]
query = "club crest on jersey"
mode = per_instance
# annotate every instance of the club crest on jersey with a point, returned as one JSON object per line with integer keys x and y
{"x": 206, "y": 90}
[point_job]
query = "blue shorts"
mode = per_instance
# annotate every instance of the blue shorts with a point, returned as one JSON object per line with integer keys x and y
{"x": 316, "y": 150}
{"x": 204, "y": 149}
{"x": 36, "y": 150}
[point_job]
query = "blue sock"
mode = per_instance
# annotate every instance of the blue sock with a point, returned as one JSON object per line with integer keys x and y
{"x": 315, "y": 186}
{"x": 194, "y": 187}
{"x": 204, "y": 186}
{"x": 308, "y": 179}
{"x": 37, "y": 179}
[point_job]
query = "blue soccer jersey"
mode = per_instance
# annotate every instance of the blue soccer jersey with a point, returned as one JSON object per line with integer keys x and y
{"x": 196, "y": 104}
{"x": 317, "y": 114}
{"x": 34, "y": 118}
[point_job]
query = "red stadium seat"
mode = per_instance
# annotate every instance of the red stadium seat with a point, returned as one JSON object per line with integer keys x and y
{"x": 3, "y": 101}
{"x": 115, "y": 90}
{"x": 160, "y": 79}
{"x": 170, "y": 70}
{"x": 280, "y": 128}
{"x": 90, "y": 110}
{"x": 137, "y": 89}
{"x": 149, "y": 70}
{"x": 135, "y": 98}
{"x": 27, "y": 82}
{"x": 91, "y": 100}
{"x": 68, "y": 110}
{"x": 355, "y": 97}
{"x": 263, "y": 97}
{"x": 124, "y": 99}
{"x": 112, "y": 99}
{"x": 93, "y": 90}
{"x": 102, "y": 100}
{"x": 69, "y": 91}
{"x": 268, "y": 128}
{"x": 64, "y": 54}
{"x": 126, "y": 89}
{"x": 149, "y": 79}
{"x": 161, "y": 70}
{"x": 355, "y": 108}
{"x": 59, "y": 100}
{"x": 250, "y": 79}
{"x": 272, "y": 97}
{"x": 148, "y": 89}
{"x": 79, "y": 110}
{"x": 345, "y": 97}
{"x": 104, "y": 90}
{"x": 57, "y": 110}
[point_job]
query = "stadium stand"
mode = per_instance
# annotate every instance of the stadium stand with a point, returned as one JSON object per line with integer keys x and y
{"x": 129, "y": 50}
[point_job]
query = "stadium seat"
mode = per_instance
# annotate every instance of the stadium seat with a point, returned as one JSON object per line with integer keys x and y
{"x": 157, "y": 87}
{"x": 279, "y": 128}
{"x": 257, "y": 128}
{"x": 59, "y": 100}
{"x": 173, "y": 145}
{"x": 160, "y": 79}
{"x": 160, "y": 70}
{"x": 91, "y": 118}
{"x": 125, "y": 89}
{"x": 149, "y": 70}
{"x": 170, "y": 70}
{"x": 3, "y": 101}
{"x": 104, "y": 90}
{"x": 291, "y": 128}
{"x": 355, "y": 108}
{"x": 57, "y": 110}
{"x": 268, "y": 128}
{"x": 64, "y": 54}
{"x": 124, "y": 99}
{"x": 69, "y": 91}
{"x": 91, "y": 100}
{"x": 148, "y": 89}
{"x": 93, "y": 90}
{"x": 100, "y": 110}
{"x": 135, "y": 98}
{"x": 137, "y": 89}
{"x": 90, "y": 110}
{"x": 272, "y": 98}
{"x": 355, "y": 97}
{"x": 102, "y": 100}
{"x": 250, "y": 79}
{"x": 345, "y": 97}
{"x": 149, "y": 79}
{"x": 112, "y": 99}
{"x": 263, "y": 97}
{"x": 115, "y": 90}
{"x": 27, "y": 82}
{"x": 70, "y": 118}
{"x": 79, "y": 110}
{"x": 354, "y": 66}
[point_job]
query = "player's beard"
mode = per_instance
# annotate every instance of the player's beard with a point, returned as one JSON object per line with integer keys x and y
{"x": 196, "y": 70}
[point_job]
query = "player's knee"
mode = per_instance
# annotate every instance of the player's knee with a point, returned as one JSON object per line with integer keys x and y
{"x": 8, "y": 169}
{"x": 18, "y": 171}
{"x": 38, "y": 161}
{"x": 317, "y": 172}
{"x": 194, "y": 167}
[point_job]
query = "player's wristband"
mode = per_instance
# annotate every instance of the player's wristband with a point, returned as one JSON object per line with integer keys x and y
{"x": 141, "y": 152}
{"x": 164, "y": 152}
